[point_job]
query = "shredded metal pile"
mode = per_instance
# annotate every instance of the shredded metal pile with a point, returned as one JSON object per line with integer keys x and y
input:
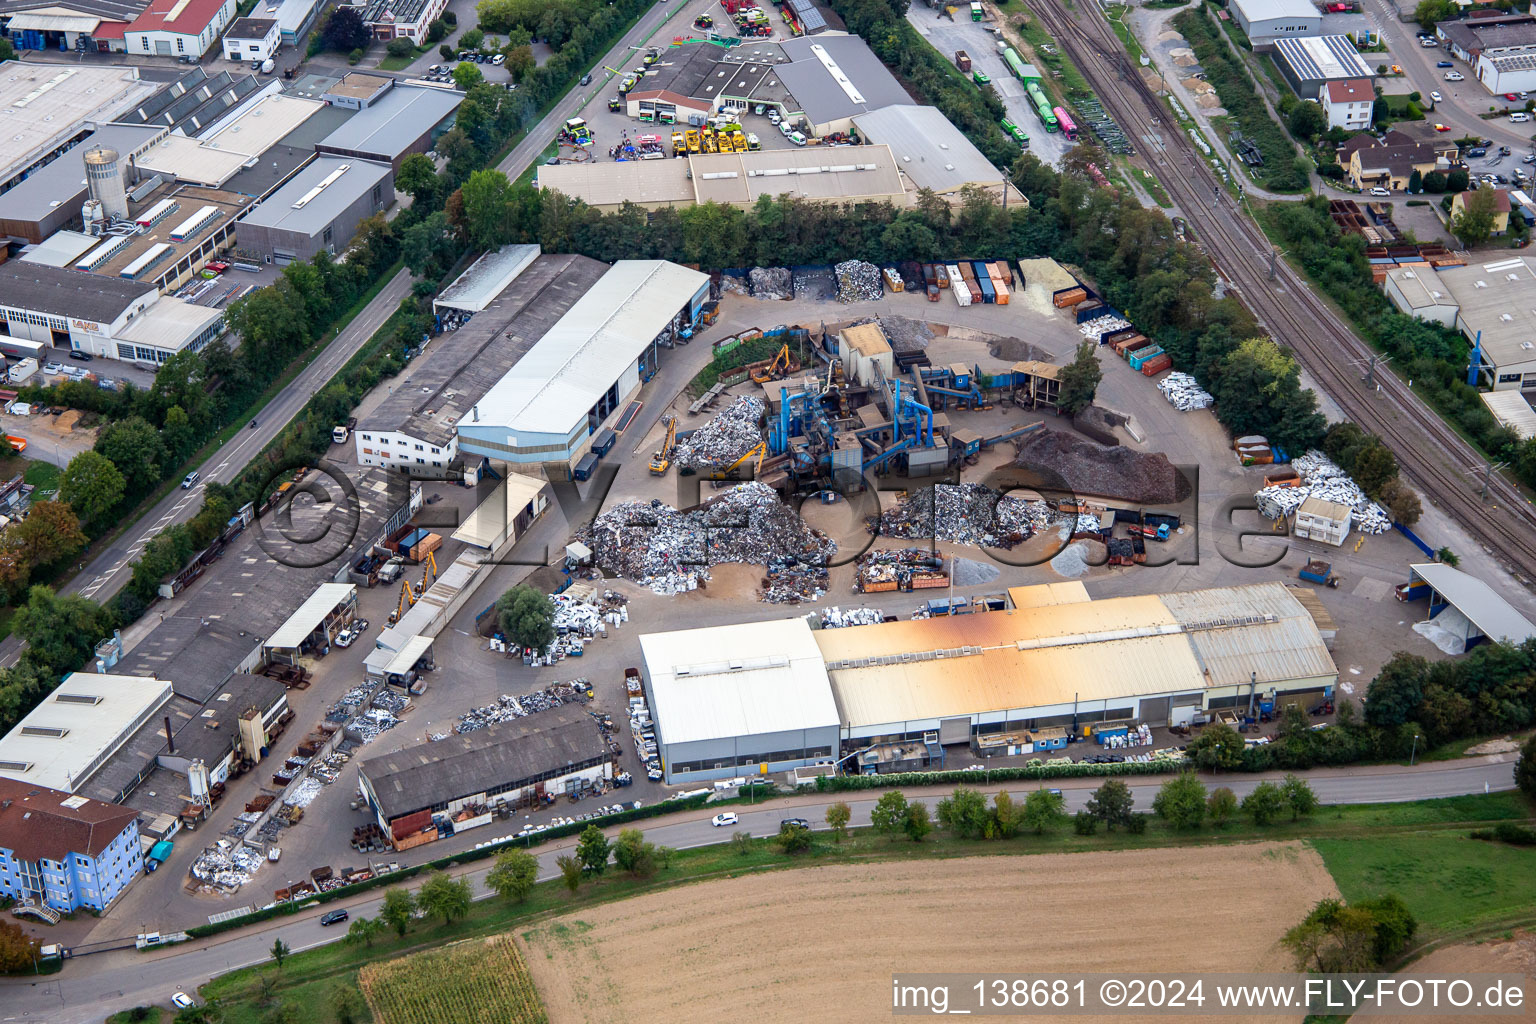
{"x": 771, "y": 283}
{"x": 508, "y": 708}
{"x": 726, "y": 438}
{"x": 857, "y": 281}
{"x": 1102, "y": 325}
{"x": 1082, "y": 467}
{"x": 1184, "y": 392}
{"x": 966, "y": 514}
{"x": 227, "y": 864}
{"x": 671, "y": 551}
{"x": 1322, "y": 478}
{"x": 838, "y": 618}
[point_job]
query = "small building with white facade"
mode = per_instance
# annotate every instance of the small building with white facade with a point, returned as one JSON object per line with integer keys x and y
{"x": 1311, "y": 62}
{"x": 1264, "y": 21}
{"x": 401, "y": 19}
{"x": 178, "y": 28}
{"x": 1348, "y": 104}
{"x": 252, "y": 39}
{"x": 1507, "y": 69}
{"x": 585, "y": 370}
{"x": 729, "y": 700}
{"x": 1325, "y": 521}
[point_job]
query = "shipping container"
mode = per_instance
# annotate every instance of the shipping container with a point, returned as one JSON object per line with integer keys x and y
{"x": 585, "y": 466}
{"x": 967, "y": 272}
{"x": 963, "y": 61}
{"x": 1126, "y": 348}
{"x": 604, "y": 441}
{"x": 1139, "y": 357}
{"x": 1157, "y": 365}
{"x": 962, "y": 292}
{"x": 941, "y": 275}
{"x": 1069, "y": 297}
{"x": 1002, "y": 291}
{"x": 1003, "y": 272}
{"x": 984, "y": 283}
{"x": 428, "y": 544}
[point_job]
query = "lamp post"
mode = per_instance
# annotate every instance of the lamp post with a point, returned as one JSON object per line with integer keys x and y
{"x": 1415, "y": 751}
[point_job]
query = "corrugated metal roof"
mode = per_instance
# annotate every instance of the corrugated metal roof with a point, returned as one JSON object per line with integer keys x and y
{"x": 552, "y": 387}
{"x": 487, "y": 277}
{"x": 310, "y": 614}
{"x": 394, "y": 122}
{"x": 490, "y": 524}
{"x": 1478, "y": 601}
{"x": 738, "y": 680}
{"x": 1041, "y": 594}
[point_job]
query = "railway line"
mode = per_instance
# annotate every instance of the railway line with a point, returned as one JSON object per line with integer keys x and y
{"x": 1443, "y": 465}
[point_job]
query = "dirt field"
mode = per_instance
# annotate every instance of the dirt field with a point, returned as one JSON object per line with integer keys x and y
{"x": 1499, "y": 956}
{"x": 822, "y": 943}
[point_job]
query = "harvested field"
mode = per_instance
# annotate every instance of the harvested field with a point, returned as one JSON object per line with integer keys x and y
{"x": 822, "y": 943}
{"x": 1086, "y": 468}
{"x": 1497, "y": 956}
{"x": 482, "y": 981}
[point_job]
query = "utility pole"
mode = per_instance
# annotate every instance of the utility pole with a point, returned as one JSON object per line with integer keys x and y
{"x": 1274, "y": 261}
{"x": 1488, "y": 475}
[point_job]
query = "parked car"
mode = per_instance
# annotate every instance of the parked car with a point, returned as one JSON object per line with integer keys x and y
{"x": 181, "y": 1000}
{"x": 1428, "y": 42}
{"x": 796, "y": 138}
{"x": 1442, "y": 127}
{"x": 1379, "y": 191}
{"x": 1444, "y": 64}
{"x": 333, "y": 917}
{"x": 723, "y": 819}
{"x": 78, "y": 356}
{"x": 1455, "y": 76}
{"x": 59, "y": 367}
{"x": 1477, "y": 151}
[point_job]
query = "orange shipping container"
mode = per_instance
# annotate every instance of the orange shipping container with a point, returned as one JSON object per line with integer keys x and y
{"x": 1070, "y": 297}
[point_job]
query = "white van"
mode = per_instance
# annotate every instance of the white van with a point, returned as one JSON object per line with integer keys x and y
{"x": 1519, "y": 117}
{"x": 188, "y": 480}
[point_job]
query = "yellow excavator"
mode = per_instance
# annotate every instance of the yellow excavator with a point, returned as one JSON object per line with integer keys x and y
{"x": 758, "y": 452}
{"x": 409, "y": 595}
{"x": 662, "y": 460}
{"x": 772, "y": 369}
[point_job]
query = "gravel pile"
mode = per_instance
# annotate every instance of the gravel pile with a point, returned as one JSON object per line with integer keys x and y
{"x": 1184, "y": 393}
{"x": 969, "y": 573}
{"x": 857, "y": 281}
{"x": 671, "y": 551}
{"x": 730, "y": 435}
{"x": 966, "y": 513}
{"x": 771, "y": 283}
{"x": 906, "y": 335}
{"x": 1085, "y": 468}
{"x": 1322, "y": 478}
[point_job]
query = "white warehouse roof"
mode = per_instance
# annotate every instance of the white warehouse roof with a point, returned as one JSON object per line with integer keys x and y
{"x": 72, "y": 733}
{"x": 579, "y": 358}
{"x": 738, "y": 680}
{"x": 310, "y": 614}
{"x": 1483, "y": 606}
{"x": 1266, "y": 10}
{"x": 487, "y": 278}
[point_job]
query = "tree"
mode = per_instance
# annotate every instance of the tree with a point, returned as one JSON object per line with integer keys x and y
{"x": 1005, "y": 815}
{"x": 592, "y": 849}
{"x": 1080, "y": 380}
{"x": 7, "y": 51}
{"x": 1435, "y": 182}
{"x": 1219, "y": 747}
{"x": 91, "y": 485}
{"x": 1474, "y": 224}
{"x": 1430, "y": 12}
{"x": 1258, "y": 389}
{"x": 487, "y": 198}
{"x": 1395, "y": 695}
{"x": 570, "y": 872}
{"x": 363, "y": 930}
{"x": 50, "y": 533}
{"x": 400, "y": 46}
{"x": 917, "y": 824}
{"x": 793, "y": 838}
{"x": 1525, "y": 768}
{"x": 1181, "y": 801}
{"x": 1415, "y": 182}
{"x": 1043, "y": 810}
{"x": 526, "y": 616}
{"x": 520, "y": 63}
{"x": 1401, "y": 502}
{"x": 1111, "y": 803}
{"x": 466, "y": 76}
{"x": 1457, "y": 180}
{"x": 1351, "y": 938}
{"x": 398, "y": 910}
{"x": 839, "y": 813}
{"x": 472, "y": 39}
{"x": 18, "y": 950}
{"x": 741, "y": 842}
{"x": 513, "y": 875}
{"x": 890, "y": 813}
{"x": 1307, "y": 121}
{"x": 1220, "y": 806}
{"x": 279, "y": 951}
{"x": 445, "y": 51}
{"x": 1298, "y": 796}
{"x": 1265, "y": 803}
{"x": 429, "y": 246}
{"x": 135, "y": 448}
{"x": 1084, "y": 823}
{"x": 633, "y": 854}
{"x": 964, "y": 813}
{"x": 284, "y": 1013}
{"x": 436, "y": 29}
{"x": 445, "y": 895}
{"x": 344, "y": 29}
{"x": 347, "y": 1005}
{"x": 418, "y": 177}
{"x": 61, "y": 630}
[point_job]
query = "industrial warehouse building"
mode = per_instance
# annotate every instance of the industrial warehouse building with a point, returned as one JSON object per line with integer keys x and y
{"x": 405, "y": 119}
{"x": 729, "y": 700}
{"x": 63, "y": 741}
{"x": 74, "y": 100}
{"x": 1264, "y": 21}
{"x": 463, "y": 778}
{"x": 586, "y": 368}
{"x": 318, "y": 210}
{"x": 841, "y": 174}
{"x": 932, "y": 153}
{"x": 415, "y": 429}
{"x": 1055, "y": 661}
{"x": 1492, "y": 304}
{"x": 1309, "y": 63}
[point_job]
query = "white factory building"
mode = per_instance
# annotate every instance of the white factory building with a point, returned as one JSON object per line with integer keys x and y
{"x": 1493, "y": 305}
{"x": 1264, "y": 21}
{"x": 79, "y": 726}
{"x": 585, "y": 370}
{"x": 1506, "y": 69}
{"x": 728, "y": 699}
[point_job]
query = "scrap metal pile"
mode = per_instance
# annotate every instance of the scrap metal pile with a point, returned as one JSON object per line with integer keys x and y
{"x": 885, "y": 569}
{"x": 508, "y": 708}
{"x": 227, "y": 864}
{"x": 671, "y": 551}
{"x": 1184, "y": 392}
{"x": 839, "y": 618}
{"x": 771, "y": 282}
{"x": 721, "y": 442}
{"x": 1322, "y": 478}
{"x": 1102, "y": 325}
{"x": 791, "y": 580}
{"x": 857, "y": 281}
{"x": 966, "y": 513}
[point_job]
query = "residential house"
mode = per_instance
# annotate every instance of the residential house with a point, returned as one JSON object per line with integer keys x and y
{"x": 65, "y": 851}
{"x": 1388, "y": 162}
{"x": 1500, "y": 209}
{"x": 1348, "y": 103}
{"x": 401, "y": 19}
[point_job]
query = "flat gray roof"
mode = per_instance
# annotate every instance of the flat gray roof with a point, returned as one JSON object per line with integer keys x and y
{"x": 394, "y": 121}
{"x": 859, "y": 84}
{"x": 929, "y": 150}
{"x": 261, "y": 578}
{"x": 62, "y": 183}
{"x": 291, "y": 152}
{"x": 470, "y": 361}
{"x": 544, "y": 745}
{"x": 357, "y": 177}
{"x": 68, "y": 293}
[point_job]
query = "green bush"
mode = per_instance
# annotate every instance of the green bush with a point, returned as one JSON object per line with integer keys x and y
{"x": 354, "y": 56}
{"x": 400, "y": 47}
{"x": 1035, "y": 770}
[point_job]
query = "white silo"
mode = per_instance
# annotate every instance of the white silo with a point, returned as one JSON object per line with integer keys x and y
{"x": 104, "y": 177}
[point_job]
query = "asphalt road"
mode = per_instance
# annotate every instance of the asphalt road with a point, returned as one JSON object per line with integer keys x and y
{"x": 93, "y": 987}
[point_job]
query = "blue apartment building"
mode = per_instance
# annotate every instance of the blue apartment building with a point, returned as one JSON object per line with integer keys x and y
{"x": 65, "y": 851}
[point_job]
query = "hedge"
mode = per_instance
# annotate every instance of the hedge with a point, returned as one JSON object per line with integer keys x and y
{"x": 480, "y": 853}
{"x": 1034, "y": 771}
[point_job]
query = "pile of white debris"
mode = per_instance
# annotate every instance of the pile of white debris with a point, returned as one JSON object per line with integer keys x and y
{"x": 1322, "y": 478}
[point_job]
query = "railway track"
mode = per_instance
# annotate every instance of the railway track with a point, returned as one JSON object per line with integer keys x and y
{"x": 1444, "y": 466}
